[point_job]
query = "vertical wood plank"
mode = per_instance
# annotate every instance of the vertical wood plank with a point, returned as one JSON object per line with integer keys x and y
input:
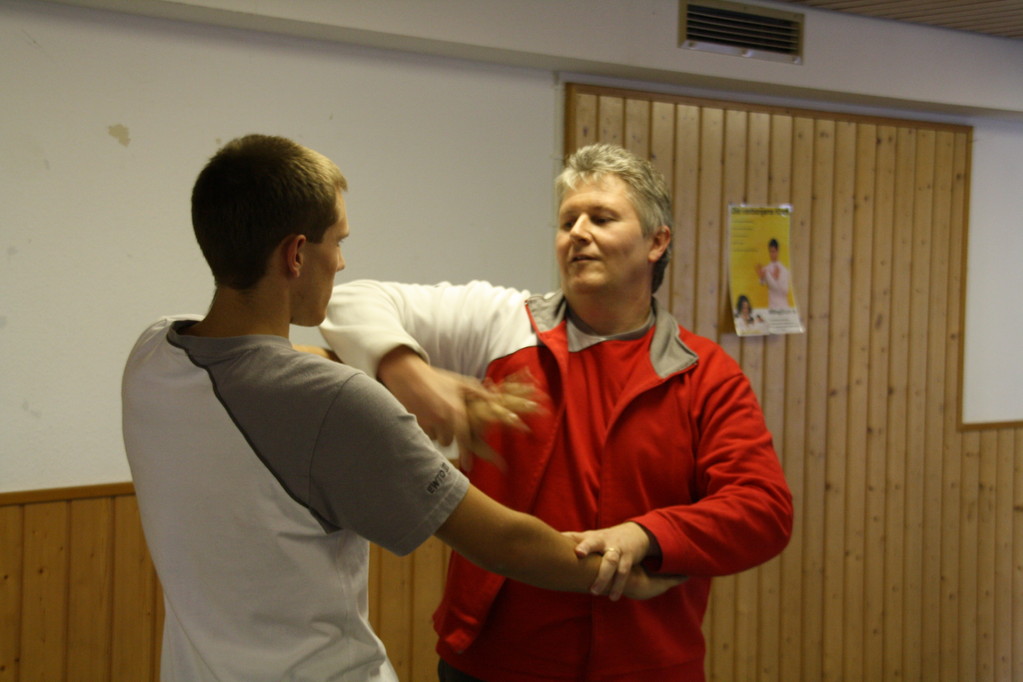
{"x": 708, "y": 230}
{"x": 855, "y": 626}
{"x": 91, "y": 589}
{"x": 743, "y": 614}
{"x": 11, "y": 591}
{"x": 877, "y": 402}
{"x": 428, "y": 572}
{"x": 610, "y": 119}
{"x": 375, "y": 587}
{"x": 581, "y": 118}
{"x": 1002, "y": 632}
{"x": 932, "y": 585}
{"x": 135, "y": 586}
{"x": 837, "y": 485}
{"x": 818, "y": 329}
{"x": 773, "y": 574}
{"x": 986, "y": 556}
{"x": 637, "y": 127}
{"x": 969, "y": 547}
{"x": 895, "y": 497}
{"x": 45, "y": 576}
{"x": 916, "y": 394}
{"x": 795, "y": 628}
{"x": 662, "y": 157}
{"x": 686, "y": 196}
{"x": 953, "y": 451}
{"x": 395, "y": 615}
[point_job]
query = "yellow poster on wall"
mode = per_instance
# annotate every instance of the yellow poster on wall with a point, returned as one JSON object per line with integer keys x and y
{"x": 760, "y": 281}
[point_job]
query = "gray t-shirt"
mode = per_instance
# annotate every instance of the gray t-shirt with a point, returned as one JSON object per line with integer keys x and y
{"x": 261, "y": 472}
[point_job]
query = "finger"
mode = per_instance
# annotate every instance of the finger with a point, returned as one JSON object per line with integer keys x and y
{"x": 465, "y": 458}
{"x": 621, "y": 578}
{"x": 484, "y": 451}
{"x": 607, "y": 570}
{"x": 589, "y": 544}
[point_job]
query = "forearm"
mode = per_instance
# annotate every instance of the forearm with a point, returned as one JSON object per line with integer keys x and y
{"x": 516, "y": 545}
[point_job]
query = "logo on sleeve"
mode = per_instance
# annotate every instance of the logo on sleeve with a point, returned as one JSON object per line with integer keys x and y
{"x": 439, "y": 478}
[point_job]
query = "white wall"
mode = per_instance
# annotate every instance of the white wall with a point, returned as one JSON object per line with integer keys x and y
{"x": 107, "y": 118}
{"x": 449, "y": 166}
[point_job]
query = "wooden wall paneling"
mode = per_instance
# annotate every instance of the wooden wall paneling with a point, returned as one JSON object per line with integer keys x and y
{"x": 708, "y": 229}
{"x": 875, "y": 592}
{"x": 135, "y": 641}
{"x": 44, "y": 584}
{"x": 611, "y": 119}
{"x": 581, "y": 118}
{"x": 772, "y": 575}
{"x": 817, "y": 660}
{"x": 765, "y": 591}
{"x": 90, "y": 596}
{"x": 951, "y": 470}
{"x": 429, "y": 567}
{"x": 986, "y": 556}
{"x": 895, "y": 498}
{"x": 373, "y": 589}
{"x": 662, "y": 156}
{"x": 795, "y": 627}
{"x": 715, "y": 154}
{"x": 11, "y": 591}
{"x": 934, "y": 431}
{"x": 755, "y": 192}
{"x": 969, "y": 547}
{"x": 761, "y": 586}
{"x": 779, "y": 191}
{"x": 636, "y": 131}
{"x": 854, "y": 604}
{"x": 396, "y": 614}
{"x": 837, "y": 487}
{"x": 682, "y": 278}
{"x": 916, "y": 388}
{"x": 1002, "y": 633}
{"x": 733, "y": 627}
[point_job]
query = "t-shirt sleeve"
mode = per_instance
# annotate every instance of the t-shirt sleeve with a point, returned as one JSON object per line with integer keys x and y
{"x": 375, "y": 472}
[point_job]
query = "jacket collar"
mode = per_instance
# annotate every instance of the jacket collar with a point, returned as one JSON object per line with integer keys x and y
{"x": 668, "y": 353}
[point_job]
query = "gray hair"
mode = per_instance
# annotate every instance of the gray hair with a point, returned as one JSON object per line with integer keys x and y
{"x": 646, "y": 188}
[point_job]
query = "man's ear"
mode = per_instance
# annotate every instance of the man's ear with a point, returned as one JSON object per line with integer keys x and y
{"x": 659, "y": 243}
{"x": 291, "y": 255}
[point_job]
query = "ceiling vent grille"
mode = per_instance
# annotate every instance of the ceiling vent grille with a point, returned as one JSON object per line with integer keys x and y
{"x": 744, "y": 30}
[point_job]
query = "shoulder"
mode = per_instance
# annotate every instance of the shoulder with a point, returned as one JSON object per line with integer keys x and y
{"x": 713, "y": 359}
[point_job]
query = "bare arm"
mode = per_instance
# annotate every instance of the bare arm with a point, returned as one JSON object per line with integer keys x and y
{"x": 526, "y": 549}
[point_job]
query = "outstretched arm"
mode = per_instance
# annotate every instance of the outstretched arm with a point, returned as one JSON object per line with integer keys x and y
{"x": 526, "y": 549}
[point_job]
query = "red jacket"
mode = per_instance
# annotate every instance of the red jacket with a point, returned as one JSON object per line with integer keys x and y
{"x": 686, "y": 454}
{"x": 701, "y": 475}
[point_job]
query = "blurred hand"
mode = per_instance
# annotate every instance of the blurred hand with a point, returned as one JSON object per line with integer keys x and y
{"x": 452, "y": 408}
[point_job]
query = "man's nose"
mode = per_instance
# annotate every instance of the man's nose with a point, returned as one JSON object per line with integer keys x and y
{"x": 580, "y": 229}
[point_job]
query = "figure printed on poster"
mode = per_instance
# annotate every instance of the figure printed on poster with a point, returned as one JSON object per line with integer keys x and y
{"x": 760, "y": 281}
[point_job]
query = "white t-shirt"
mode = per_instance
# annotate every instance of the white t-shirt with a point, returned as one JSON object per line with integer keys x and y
{"x": 260, "y": 473}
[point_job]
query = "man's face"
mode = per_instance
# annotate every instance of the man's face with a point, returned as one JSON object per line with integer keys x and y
{"x": 772, "y": 251}
{"x": 600, "y": 247}
{"x": 322, "y": 262}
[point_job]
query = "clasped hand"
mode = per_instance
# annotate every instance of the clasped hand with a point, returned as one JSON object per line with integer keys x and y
{"x": 623, "y": 549}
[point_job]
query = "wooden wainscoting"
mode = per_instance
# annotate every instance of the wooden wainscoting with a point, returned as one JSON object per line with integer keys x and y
{"x": 907, "y": 557}
{"x": 80, "y": 600}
